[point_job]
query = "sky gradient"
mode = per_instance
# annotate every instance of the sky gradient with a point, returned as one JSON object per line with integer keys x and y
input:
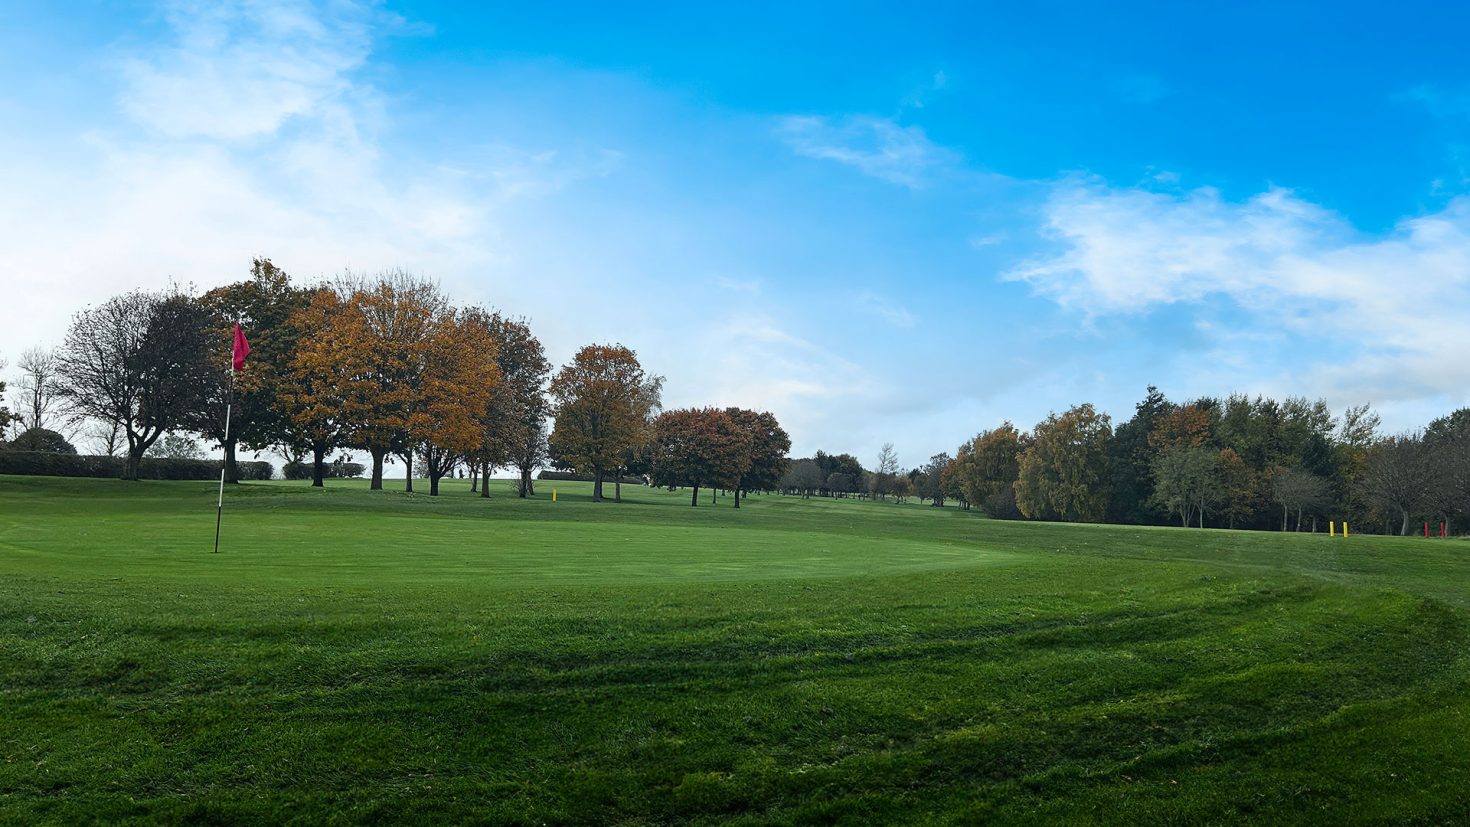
{"x": 884, "y": 223}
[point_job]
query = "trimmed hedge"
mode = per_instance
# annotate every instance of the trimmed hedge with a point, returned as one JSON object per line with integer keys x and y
{"x": 42, "y": 464}
{"x": 573, "y": 476}
{"x": 330, "y": 470}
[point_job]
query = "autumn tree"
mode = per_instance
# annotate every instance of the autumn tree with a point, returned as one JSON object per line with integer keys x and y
{"x": 325, "y": 384}
{"x": 1187, "y": 426}
{"x": 601, "y": 409}
{"x": 1063, "y": 475}
{"x": 446, "y": 420}
{"x": 766, "y": 458}
{"x": 139, "y": 361}
{"x": 398, "y": 314}
{"x": 695, "y": 447}
{"x": 262, "y": 304}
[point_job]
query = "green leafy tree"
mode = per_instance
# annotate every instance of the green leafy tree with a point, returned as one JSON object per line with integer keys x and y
{"x": 1187, "y": 481}
{"x": 1063, "y": 475}
{"x": 1130, "y": 462}
{"x": 263, "y": 305}
{"x": 766, "y": 460}
{"x": 601, "y": 408}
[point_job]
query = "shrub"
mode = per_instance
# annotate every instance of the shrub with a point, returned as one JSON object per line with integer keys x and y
{"x": 40, "y": 463}
{"x": 41, "y": 440}
{"x": 573, "y": 476}
{"x": 330, "y": 470}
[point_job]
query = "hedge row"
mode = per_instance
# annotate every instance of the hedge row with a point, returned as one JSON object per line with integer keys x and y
{"x": 573, "y": 476}
{"x": 45, "y": 464}
{"x": 330, "y": 470}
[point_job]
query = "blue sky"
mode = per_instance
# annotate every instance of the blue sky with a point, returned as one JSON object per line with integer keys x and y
{"x": 883, "y": 222}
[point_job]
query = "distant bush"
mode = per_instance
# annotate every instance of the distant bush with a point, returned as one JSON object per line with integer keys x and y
{"x": 330, "y": 470}
{"x": 41, "y": 463}
{"x": 40, "y": 440}
{"x": 573, "y": 476}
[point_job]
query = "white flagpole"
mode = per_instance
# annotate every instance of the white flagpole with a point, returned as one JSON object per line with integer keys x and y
{"x": 219, "y": 507}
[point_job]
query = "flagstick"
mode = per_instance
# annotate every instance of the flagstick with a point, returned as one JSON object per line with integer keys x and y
{"x": 219, "y": 508}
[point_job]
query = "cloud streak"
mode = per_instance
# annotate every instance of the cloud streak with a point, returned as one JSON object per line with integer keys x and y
{"x": 877, "y": 147}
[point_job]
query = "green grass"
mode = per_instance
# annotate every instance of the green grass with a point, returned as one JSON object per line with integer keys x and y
{"x": 361, "y": 656}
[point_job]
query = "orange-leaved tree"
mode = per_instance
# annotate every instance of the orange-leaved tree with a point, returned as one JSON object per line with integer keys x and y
{"x": 459, "y": 378}
{"x": 327, "y": 381}
{"x": 399, "y": 314}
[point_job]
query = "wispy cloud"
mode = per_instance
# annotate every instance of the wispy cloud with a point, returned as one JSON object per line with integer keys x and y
{"x": 751, "y": 286}
{"x": 237, "y": 71}
{"x": 886, "y": 309}
{"x": 879, "y": 147}
{"x": 1392, "y": 302}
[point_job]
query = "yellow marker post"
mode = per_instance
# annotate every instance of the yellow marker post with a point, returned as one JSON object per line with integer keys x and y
{"x": 1344, "y": 528}
{"x": 553, "y": 495}
{"x": 1331, "y": 529}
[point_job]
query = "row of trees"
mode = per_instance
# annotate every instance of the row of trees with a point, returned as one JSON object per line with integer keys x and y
{"x": 385, "y": 365}
{"x": 1237, "y": 462}
{"x": 1234, "y": 462}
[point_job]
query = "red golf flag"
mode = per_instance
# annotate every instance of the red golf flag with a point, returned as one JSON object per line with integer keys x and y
{"x": 242, "y": 348}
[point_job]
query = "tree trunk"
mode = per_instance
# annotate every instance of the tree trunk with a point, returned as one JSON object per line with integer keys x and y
{"x": 713, "y": 492}
{"x": 694, "y": 498}
{"x": 597, "y": 485}
{"x": 737, "y": 495}
{"x": 434, "y": 475}
{"x": 485, "y": 481}
{"x": 474, "y": 478}
{"x": 1284, "y": 512}
{"x": 407, "y": 471}
{"x": 135, "y": 459}
{"x": 525, "y": 486}
{"x": 1298, "y": 518}
{"x": 318, "y": 464}
{"x": 618, "y": 487}
{"x": 1404, "y": 529}
{"x": 232, "y": 470}
{"x": 377, "y": 483}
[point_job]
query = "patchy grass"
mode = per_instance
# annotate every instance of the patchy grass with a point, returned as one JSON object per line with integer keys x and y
{"x": 371, "y": 656}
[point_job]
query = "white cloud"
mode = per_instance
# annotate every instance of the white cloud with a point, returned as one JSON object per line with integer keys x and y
{"x": 243, "y": 70}
{"x": 1392, "y": 303}
{"x": 878, "y": 147}
{"x": 886, "y": 309}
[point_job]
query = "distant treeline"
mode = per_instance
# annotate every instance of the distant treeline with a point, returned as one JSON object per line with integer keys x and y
{"x": 1233, "y": 462}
